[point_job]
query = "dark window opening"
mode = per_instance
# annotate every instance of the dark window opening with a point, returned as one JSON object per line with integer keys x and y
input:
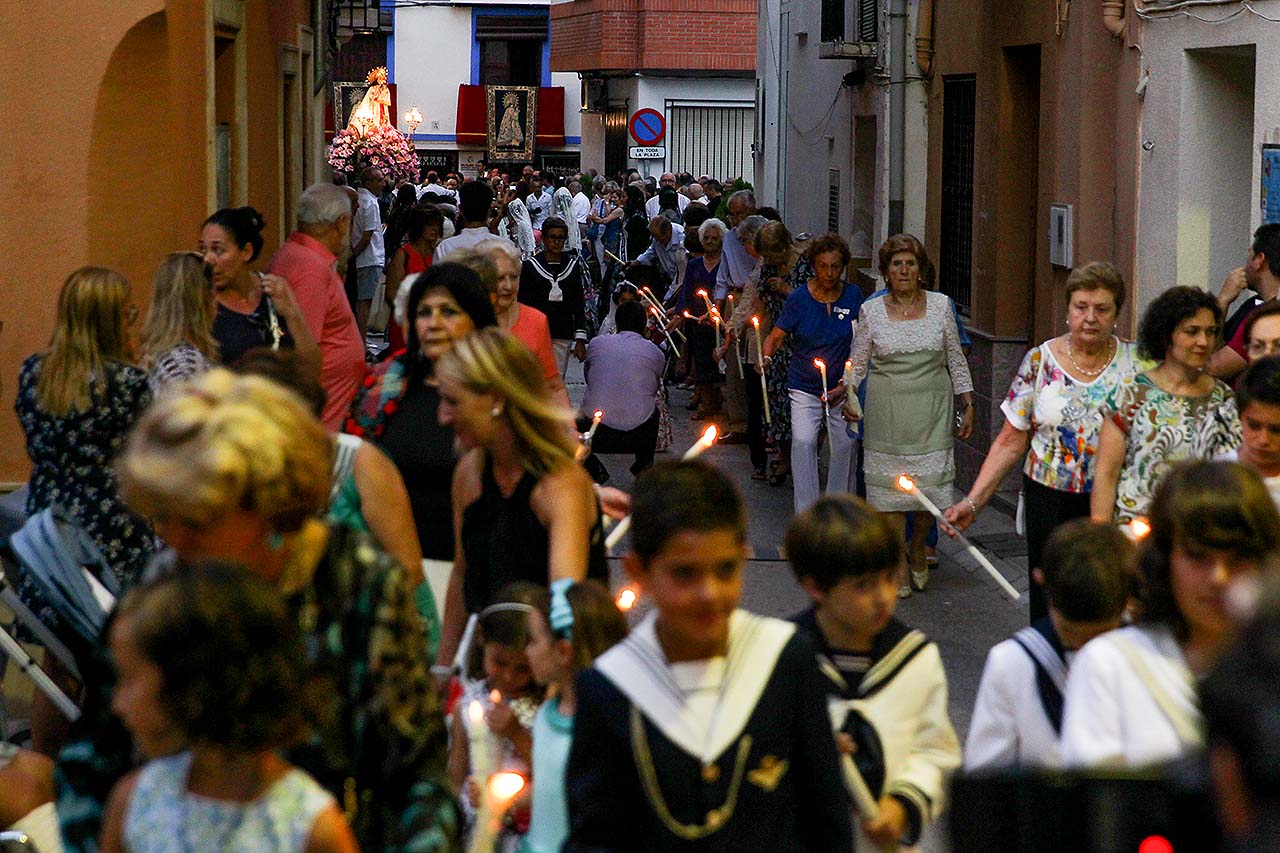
{"x": 955, "y": 255}
{"x": 510, "y": 63}
{"x": 833, "y": 20}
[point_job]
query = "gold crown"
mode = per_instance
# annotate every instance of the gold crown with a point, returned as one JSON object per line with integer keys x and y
{"x": 377, "y": 75}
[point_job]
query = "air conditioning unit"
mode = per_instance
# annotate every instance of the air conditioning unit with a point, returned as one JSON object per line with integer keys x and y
{"x": 850, "y": 36}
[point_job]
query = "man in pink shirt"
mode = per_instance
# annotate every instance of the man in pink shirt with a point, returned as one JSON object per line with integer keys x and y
{"x": 306, "y": 260}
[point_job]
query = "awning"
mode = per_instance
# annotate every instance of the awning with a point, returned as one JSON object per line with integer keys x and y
{"x": 472, "y": 129}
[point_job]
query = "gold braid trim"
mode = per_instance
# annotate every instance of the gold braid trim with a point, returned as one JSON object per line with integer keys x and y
{"x": 716, "y": 818}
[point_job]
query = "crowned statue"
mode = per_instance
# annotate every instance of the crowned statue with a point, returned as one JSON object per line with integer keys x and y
{"x": 374, "y": 110}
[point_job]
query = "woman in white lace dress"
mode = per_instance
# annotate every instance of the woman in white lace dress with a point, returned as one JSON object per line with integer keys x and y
{"x": 908, "y": 349}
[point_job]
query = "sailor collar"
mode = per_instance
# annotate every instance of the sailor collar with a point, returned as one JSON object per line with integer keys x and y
{"x": 569, "y": 259}
{"x": 639, "y": 669}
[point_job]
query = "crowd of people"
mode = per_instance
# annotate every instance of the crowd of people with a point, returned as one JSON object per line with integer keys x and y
{"x": 350, "y": 589}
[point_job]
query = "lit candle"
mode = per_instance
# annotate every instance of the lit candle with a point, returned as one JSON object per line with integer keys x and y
{"x": 706, "y": 297}
{"x": 499, "y": 793}
{"x": 764, "y": 385}
{"x": 708, "y": 438}
{"x": 822, "y": 370}
{"x": 626, "y": 599}
{"x": 595, "y": 422}
{"x": 663, "y": 326}
{"x": 715, "y": 317}
{"x": 481, "y": 748}
{"x": 908, "y": 485}
{"x": 1137, "y": 529}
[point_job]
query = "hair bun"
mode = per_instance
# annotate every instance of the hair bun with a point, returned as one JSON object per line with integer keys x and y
{"x": 255, "y": 218}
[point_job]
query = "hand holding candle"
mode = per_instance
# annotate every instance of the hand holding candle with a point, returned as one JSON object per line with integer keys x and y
{"x": 909, "y": 486}
{"x": 663, "y": 325}
{"x": 764, "y": 384}
{"x": 708, "y": 438}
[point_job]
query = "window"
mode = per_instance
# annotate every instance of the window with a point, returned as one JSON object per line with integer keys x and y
{"x": 833, "y": 20}
{"x": 511, "y": 48}
{"x": 833, "y": 200}
{"x": 955, "y": 256}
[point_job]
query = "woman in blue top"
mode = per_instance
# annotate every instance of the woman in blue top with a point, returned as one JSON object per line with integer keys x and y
{"x": 819, "y": 320}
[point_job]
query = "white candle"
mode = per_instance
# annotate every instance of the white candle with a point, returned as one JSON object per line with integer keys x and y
{"x": 663, "y": 326}
{"x": 706, "y": 297}
{"x": 822, "y": 370}
{"x": 480, "y": 749}
{"x": 764, "y": 384}
{"x": 908, "y": 485}
{"x": 595, "y": 422}
{"x": 715, "y": 319}
{"x": 708, "y": 438}
{"x": 648, "y": 294}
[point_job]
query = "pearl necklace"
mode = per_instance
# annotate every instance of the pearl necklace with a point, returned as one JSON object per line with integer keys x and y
{"x": 1071, "y": 357}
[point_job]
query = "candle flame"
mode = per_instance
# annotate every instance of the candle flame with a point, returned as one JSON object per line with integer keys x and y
{"x": 755, "y": 321}
{"x": 597, "y": 415}
{"x": 495, "y": 697}
{"x": 709, "y": 436}
{"x": 820, "y": 364}
{"x": 906, "y": 483}
{"x": 687, "y": 314}
{"x": 702, "y": 293}
{"x": 475, "y": 712}
{"x": 848, "y": 365}
{"x": 626, "y": 599}
{"x": 505, "y": 785}
{"x": 1140, "y": 528}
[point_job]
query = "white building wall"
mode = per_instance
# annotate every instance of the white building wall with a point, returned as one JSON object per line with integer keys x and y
{"x": 433, "y": 56}
{"x": 1209, "y": 106}
{"x": 818, "y": 126}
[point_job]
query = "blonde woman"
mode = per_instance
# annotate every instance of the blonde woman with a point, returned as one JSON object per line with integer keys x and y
{"x": 523, "y": 509}
{"x": 76, "y": 402}
{"x": 237, "y": 469}
{"x": 177, "y": 336}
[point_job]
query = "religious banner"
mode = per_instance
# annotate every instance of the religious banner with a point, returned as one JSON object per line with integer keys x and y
{"x": 512, "y": 122}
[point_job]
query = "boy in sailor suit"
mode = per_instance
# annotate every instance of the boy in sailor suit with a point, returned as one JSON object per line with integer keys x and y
{"x": 1017, "y": 718}
{"x": 886, "y": 688}
{"x": 706, "y": 729}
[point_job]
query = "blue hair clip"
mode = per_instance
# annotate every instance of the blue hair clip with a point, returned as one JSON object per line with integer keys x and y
{"x": 561, "y": 616}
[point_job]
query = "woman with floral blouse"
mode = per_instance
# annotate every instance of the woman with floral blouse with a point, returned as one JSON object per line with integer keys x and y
{"x": 1053, "y": 415}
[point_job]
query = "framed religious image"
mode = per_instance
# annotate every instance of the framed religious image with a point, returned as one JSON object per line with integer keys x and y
{"x": 346, "y": 97}
{"x": 512, "y": 124}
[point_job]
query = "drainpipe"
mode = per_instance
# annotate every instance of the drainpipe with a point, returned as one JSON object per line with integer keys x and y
{"x": 924, "y": 39}
{"x": 1113, "y": 17}
{"x": 897, "y": 111}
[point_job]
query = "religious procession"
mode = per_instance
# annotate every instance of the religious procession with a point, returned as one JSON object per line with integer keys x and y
{"x": 636, "y": 453}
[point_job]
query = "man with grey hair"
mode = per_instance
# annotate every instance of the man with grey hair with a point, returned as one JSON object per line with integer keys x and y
{"x": 366, "y": 244}
{"x": 667, "y": 180}
{"x": 307, "y": 261}
{"x": 667, "y": 239}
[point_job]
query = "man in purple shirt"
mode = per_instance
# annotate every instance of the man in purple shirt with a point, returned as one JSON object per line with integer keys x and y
{"x": 624, "y": 372}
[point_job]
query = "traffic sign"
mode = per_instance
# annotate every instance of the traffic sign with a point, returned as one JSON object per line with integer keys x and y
{"x": 647, "y": 126}
{"x": 647, "y": 152}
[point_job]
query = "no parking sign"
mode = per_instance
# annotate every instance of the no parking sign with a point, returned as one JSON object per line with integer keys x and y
{"x": 647, "y": 127}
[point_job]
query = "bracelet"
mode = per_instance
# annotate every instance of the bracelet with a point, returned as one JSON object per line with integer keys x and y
{"x": 973, "y": 507}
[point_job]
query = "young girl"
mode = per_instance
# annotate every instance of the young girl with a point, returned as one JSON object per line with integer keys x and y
{"x": 210, "y": 689}
{"x": 498, "y": 664}
{"x": 580, "y": 624}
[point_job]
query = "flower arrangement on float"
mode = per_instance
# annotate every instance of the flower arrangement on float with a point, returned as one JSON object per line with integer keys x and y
{"x": 370, "y": 139}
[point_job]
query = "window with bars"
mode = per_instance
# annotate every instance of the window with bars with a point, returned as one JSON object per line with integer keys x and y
{"x": 365, "y": 16}
{"x": 833, "y": 200}
{"x": 955, "y": 255}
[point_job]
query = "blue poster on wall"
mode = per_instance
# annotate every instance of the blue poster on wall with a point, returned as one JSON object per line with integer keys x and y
{"x": 1270, "y": 184}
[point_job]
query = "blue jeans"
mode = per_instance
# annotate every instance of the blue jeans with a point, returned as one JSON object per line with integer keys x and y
{"x": 806, "y": 427}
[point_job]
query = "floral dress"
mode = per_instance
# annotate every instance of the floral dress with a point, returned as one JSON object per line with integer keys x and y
{"x": 1163, "y": 429}
{"x": 775, "y": 374}
{"x": 72, "y": 456}
{"x": 1063, "y": 414}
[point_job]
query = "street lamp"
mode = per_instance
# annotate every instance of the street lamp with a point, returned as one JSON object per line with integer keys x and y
{"x": 413, "y": 118}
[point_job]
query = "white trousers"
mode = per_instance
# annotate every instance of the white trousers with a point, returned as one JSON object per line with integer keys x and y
{"x": 806, "y": 426}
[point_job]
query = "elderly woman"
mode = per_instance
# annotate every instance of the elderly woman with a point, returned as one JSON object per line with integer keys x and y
{"x": 1131, "y": 696}
{"x": 784, "y": 268}
{"x": 908, "y": 348}
{"x": 817, "y": 319}
{"x": 1053, "y": 416}
{"x": 177, "y": 337}
{"x": 700, "y": 278}
{"x": 238, "y": 469}
{"x": 1174, "y": 411}
{"x": 523, "y": 509}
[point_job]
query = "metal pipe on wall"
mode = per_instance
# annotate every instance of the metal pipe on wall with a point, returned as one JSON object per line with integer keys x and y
{"x": 897, "y": 111}
{"x": 924, "y": 39}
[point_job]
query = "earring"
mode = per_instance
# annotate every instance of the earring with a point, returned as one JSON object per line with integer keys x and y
{"x": 495, "y": 411}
